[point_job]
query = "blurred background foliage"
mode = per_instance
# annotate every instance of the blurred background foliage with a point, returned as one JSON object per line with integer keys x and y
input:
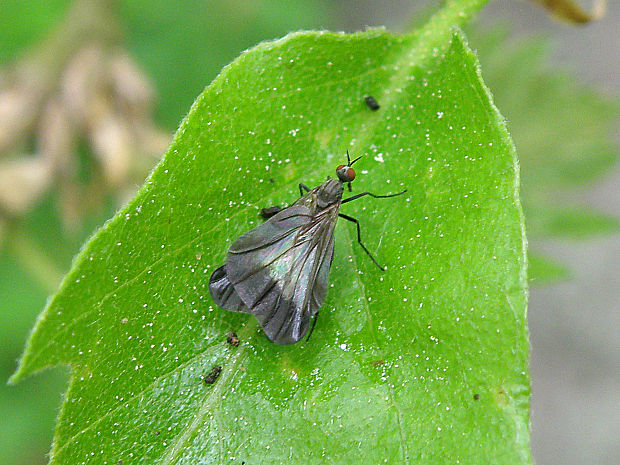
{"x": 565, "y": 133}
{"x": 91, "y": 92}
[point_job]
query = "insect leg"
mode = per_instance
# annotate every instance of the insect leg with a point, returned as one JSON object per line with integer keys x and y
{"x": 303, "y": 188}
{"x": 270, "y": 211}
{"x": 316, "y": 317}
{"x": 359, "y": 238}
{"x": 372, "y": 195}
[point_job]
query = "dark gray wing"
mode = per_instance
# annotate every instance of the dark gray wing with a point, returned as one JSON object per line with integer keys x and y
{"x": 279, "y": 270}
{"x": 223, "y": 292}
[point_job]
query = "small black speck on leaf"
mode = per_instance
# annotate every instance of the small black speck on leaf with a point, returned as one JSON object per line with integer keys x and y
{"x": 372, "y": 103}
{"x": 212, "y": 377}
{"x": 476, "y": 396}
{"x": 232, "y": 339}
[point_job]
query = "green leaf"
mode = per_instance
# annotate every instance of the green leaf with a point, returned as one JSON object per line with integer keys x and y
{"x": 426, "y": 363}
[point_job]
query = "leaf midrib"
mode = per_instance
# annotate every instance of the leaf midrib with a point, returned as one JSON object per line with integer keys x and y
{"x": 229, "y": 370}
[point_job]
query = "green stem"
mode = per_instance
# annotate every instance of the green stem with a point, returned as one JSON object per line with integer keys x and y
{"x": 454, "y": 14}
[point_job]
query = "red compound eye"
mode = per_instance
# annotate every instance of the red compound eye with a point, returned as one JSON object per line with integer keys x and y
{"x": 345, "y": 173}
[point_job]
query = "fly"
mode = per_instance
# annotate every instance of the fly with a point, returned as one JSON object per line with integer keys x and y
{"x": 279, "y": 271}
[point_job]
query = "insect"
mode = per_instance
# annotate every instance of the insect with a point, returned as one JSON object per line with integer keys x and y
{"x": 372, "y": 103}
{"x": 213, "y": 375}
{"x": 279, "y": 271}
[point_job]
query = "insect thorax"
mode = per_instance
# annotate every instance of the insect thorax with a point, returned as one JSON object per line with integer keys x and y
{"x": 329, "y": 192}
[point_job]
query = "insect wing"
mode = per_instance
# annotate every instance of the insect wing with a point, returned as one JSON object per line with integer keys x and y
{"x": 220, "y": 287}
{"x": 223, "y": 292}
{"x": 280, "y": 269}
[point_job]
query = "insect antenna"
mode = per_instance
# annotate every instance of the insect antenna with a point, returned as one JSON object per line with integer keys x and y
{"x": 349, "y": 162}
